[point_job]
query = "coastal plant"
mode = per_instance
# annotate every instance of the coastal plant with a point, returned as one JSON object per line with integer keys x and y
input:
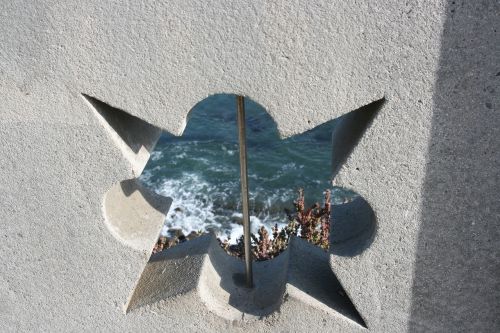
{"x": 178, "y": 237}
{"x": 312, "y": 225}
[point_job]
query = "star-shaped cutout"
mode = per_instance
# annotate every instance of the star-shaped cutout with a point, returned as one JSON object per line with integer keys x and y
{"x": 134, "y": 215}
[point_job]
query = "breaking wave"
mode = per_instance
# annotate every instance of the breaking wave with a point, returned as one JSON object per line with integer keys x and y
{"x": 200, "y": 170}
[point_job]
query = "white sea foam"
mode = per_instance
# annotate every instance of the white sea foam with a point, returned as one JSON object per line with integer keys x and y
{"x": 193, "y": 208}
{"x": 203, "y": 160}
{"x": 156, "y": 155}
{"x": 230, "y": 152}
{"x": 289, "y": 166}
{"x": 236, "y": 230}
{"x": 179, "y": 156}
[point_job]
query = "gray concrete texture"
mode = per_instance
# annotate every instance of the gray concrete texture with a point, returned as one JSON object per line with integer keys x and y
{"x": 424, "y": 253}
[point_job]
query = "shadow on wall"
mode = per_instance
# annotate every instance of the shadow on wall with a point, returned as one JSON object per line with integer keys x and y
{"x": 354, "y": 226}
{"x": 456, "y": 285}
{"x": 351, "y": 127}
{"x": 156, "y": 201}
{"x": 134, "y": 132}
{"x": 302, "y": 271}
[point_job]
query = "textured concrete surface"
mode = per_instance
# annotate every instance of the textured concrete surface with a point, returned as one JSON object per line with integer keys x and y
{"x": 134, "y": 214}
{"x": 202, "y": 268}
{"x": 135, "y": 137}
{"x": 457, "y": 269}
{"x": 427, "y": 163}
{"x": 434, "y": 263}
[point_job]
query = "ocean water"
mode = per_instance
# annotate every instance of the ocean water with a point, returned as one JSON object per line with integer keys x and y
{"x": 200, "y": 169}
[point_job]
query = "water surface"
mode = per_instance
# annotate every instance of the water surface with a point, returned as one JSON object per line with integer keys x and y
{"x": 200, "y": 169}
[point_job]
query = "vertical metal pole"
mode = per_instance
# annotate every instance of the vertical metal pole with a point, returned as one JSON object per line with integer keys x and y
{"x": 244, "y": 190}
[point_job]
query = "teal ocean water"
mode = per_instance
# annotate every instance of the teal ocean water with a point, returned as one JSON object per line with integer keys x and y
{"x": 200, "y": 169}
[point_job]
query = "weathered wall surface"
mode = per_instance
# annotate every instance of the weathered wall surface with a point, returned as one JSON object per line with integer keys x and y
{"x": 445, "y": 272}
{"x": 457, "y": 263}
{"x": 427, "y": 164}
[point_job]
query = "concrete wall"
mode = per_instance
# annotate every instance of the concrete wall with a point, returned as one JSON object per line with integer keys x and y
{"x": 426, "y": 163}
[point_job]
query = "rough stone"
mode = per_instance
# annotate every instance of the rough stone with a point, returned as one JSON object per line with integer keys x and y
{"x": 426, "y": 164}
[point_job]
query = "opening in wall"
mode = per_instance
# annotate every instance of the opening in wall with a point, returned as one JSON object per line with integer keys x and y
{"x": 292, "y": 204}
{"x": 200, "y": 172}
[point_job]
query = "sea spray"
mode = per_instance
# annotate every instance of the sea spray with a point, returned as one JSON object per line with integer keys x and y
{"x": 200, "y": 170}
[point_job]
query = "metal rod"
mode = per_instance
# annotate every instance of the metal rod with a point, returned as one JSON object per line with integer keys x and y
{"x": 244, "y": 190}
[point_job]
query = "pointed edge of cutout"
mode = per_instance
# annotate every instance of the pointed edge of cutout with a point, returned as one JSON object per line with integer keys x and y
{"x": 349, "y": 130}
{"x": 301, "y": 272}
{"x": 135, "y": 137}
{"x": 169, "y": 273}
{"x": 312, "y": 281}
